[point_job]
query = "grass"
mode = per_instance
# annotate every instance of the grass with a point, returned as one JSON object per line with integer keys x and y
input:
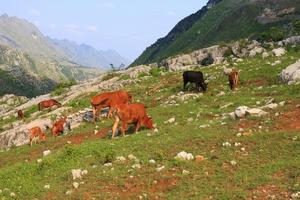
{"x": 259, "y": 165}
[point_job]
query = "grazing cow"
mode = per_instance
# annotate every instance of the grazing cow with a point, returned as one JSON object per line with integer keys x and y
{"x": 48, "y": 104}
{"x": 60, "y": 126}
{"x": 109, "y": 99}
{"x": 131, "y": 113}
{"x": 20, "y": 114}
{"x": 233, "y": 78}
{"x": 35, "y": 134}
{"x": 194, "y": 77}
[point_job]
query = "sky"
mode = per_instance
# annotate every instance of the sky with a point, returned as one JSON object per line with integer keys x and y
{"x": 127, "y": 26}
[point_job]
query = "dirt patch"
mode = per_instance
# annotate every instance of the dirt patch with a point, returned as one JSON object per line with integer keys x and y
{"x": 247, "y": 124}
{"x": 268, "y": 192}
{"x": 289, "y": 121}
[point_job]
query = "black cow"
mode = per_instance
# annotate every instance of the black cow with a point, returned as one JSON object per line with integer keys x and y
{"x": 194, "y": 77}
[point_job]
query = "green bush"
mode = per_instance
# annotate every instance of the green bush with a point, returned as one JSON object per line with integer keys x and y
{"x": 273, "y": 34}
{"x": 62, "y": 87}
{"x": 155, "y": 71}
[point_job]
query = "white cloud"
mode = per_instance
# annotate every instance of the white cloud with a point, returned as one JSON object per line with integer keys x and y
{"x": 34, "y": 12}
{"x": 91, "y": 28}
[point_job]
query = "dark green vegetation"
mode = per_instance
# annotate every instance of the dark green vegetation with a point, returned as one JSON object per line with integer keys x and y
{"x": 270, "y": 158}
{"x": 226, "y": 21}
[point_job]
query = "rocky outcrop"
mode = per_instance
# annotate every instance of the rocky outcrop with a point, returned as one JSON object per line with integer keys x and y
{"x": 291, "y": 74}
{"x": 215, "y": 53}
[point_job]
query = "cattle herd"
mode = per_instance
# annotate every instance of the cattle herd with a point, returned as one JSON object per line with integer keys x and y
{"x": 121, "y": 107}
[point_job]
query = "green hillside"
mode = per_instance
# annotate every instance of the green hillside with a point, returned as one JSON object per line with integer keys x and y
{"x": 225, "y": 21}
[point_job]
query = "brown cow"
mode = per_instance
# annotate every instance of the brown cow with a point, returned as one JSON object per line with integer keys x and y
{"x": 233, "y": 78}
{"x": 109, "y": 99}
{"x": 36, "y": 133}
{"x": 59, "y": 126}
{"x": 131, "y": 113}
{"x": 48, "y": 104}
{"x": 20, "y": 114}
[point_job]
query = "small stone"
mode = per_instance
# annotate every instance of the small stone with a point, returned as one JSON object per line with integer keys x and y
{"x": 184, "y": 156}
{"x": 12, "y": 194}
{"x": 107, "y": 165}
{"x": 76, "y": 174}
{"x": 69, "y": 142}
{"x": 136, "y": 166}
{"x": 69, "y": 192}
{"x": 152, "y": 161}
{"x": 75, "y": 185}
{"x": 84, "y": 172}
{"x": 131, "y": 157}
{"x": 233, "y": 163}
{"x": 47, "y": 187}
{"x": 46, "y": 153}
{"x": 190, "y": 119}
{"x": 226, "y": 144}
{"x": 295, "y": 138}
{"x": 171, "y": 120}
{"x": 185, "y": 172}
{"x": 159, "y": 169}
{"x": 243, "y": 149}
{"x": 237, "y": 144}
{"x": 120, "y": 159}
{"x": 39, "y": 160}
{"x": 95, "y": 132}
{"x": 155, "y": 130}
{"x": 282, "y": 103}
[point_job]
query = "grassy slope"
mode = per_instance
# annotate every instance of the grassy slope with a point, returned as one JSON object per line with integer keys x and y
{"x": 256, "y": 168}
{"x": 227, "y": 21}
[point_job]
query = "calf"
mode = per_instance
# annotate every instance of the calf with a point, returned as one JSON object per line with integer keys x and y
{"x": 60, "y": 126}
{"x": 35, "y": 134}
{"x": 233, "y": 78}
{"x": 194, "y": 77}
{"x": 109, "y": 99}
{"x": 131, "y": 113}
{"x": 20, "y": 114}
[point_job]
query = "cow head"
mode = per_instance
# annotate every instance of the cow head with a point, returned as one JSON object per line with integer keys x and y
{"x": 148, "y": 122}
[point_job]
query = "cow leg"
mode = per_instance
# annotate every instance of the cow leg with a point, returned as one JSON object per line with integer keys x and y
{"x": 124, "y": 128}
{"x": 115, "y": 126}
{"x": 138, "y": 125}
{"x": 31, "y": 140}
{"x": 94, "y": 114}
{"x": 109, "y": 113}
{"x": 184, "y": 85}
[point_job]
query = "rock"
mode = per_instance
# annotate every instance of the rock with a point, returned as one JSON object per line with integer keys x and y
{"x": 184, "y": 156}
{"x": 265, "y": 55}
{"x": 271, "y": 106}
{"x": 75, "y": 185}
{"x": 282, "y": 103}
{"x": 199, "y": 158}
{"x": 152, "y": 161}
{"x": 69, "y": 192}
{"x": 46, "y": 153}
{"x": 256, "y": 50}
{"x": 190, "y": 119}
{"x": 47, "y": 187}
{"x": 226, "y": 144}
{"x": 171, "y": 120}
{"x": 237, "y": 144}
{"x": 185, "y": 172}
{"x": 107, "y": 165}
{"x": 291, "y": 74}
{"x": 84, "y": 172}
{"x": 279, "y": 51}
{"x": 240, "y": 112}
{"x": 295, "y": 195}
{"x": 132, "y": 157}
{"x": 39, "y": 160}
{"x": 76, "y": 173}
{"x": 256, "y": 112}
{"x": 120, "y": 159}
{"x": 233, "y": 163}
{"x": 136, "y": 166}
{"x": 12, "y": 194}
{"x": 155, "y": 130}
{"x": 221, "y": 94}
{"x": 159, "y": 169}
{"x": 227, "y": 71}
{"x": 204, "y": 126}
{"x": 238, "y": 134}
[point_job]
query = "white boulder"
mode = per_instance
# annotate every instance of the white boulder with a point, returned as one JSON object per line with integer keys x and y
{"x": 291, "y": 74}
{"x": 183, "y": 156}
{"x": 279, "y": 52}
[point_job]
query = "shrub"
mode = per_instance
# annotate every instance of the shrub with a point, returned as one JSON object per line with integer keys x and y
{"x": 228, "y": 53}
{"x": 155, "y": 71}
{"x": 62, "y": 87}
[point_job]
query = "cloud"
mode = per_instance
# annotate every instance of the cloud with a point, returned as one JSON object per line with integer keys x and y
{"x": 34, "y": 12}
{"x": 74, "y": 29}
{"x": 91, "y": 28}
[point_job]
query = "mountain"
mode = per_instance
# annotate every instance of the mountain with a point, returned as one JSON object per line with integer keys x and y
{"x": 87, "y": 55}
{"x": 223, "y": 21}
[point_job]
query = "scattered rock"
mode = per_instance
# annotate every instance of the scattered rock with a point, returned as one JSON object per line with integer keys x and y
{"x": 76, "y": 174}
{"x": 47, "y": 187}
{"x": 183, "y": 156}
{"x": 159, "y": 169}
{"x": 279, "y": 52}
{"x": 132, "y": 157}
{"x": 185, "y": 172}
{"x": 136, "y": 166}
{"x": 256, "y": 112}
{"x": 12, "y": 194}
{"x": 233, "y": 163}
{"x": 226, "y": 144}
{"x": 75, "y": 185}
{"x": 46, "y": 153}
{"x": 171, "y": 120}
{"x": 107, "y": 165}
{"x": 69, "y": 192}
{"x": 155, "y": 130}
{"x": 240, "y": 112}
{"x": 120, "y": 159}
{"x": 152, "y": 161}
{"x": 39, "y": 160}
